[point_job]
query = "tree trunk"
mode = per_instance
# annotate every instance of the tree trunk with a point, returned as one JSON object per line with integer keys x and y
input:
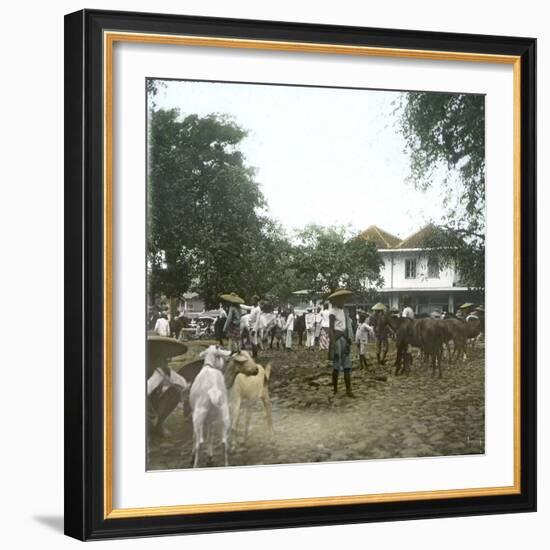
{"x": 173, "y": 307}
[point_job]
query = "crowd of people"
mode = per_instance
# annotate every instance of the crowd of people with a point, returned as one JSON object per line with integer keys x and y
{"x": 328, "y": 328}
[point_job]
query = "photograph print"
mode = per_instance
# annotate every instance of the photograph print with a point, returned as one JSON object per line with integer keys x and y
{"x": 315, "y": 264}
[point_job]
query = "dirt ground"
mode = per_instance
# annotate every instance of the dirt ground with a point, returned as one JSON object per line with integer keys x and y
{"x": 414, "y": 415}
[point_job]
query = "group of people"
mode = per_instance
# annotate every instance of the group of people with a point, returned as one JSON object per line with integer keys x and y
{"x": 327, "y": 328}
{"x": 274, "y": 327}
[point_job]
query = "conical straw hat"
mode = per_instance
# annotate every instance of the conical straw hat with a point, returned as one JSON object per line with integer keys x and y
{"x": 232, "y": 298}
{"x": 340, "y": 292}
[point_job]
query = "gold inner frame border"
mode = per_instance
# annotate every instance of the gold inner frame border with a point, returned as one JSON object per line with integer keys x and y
{"x": 109, "y": 39}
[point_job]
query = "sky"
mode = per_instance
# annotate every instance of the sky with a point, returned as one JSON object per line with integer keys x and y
{"x": 323, "y": 155}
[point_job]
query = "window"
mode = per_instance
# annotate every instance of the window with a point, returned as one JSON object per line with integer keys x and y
{"x": 410, "y": 269}
{"x": 433, "y": 268}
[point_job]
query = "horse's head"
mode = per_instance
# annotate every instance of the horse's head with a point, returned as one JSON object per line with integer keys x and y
{"x": 386, "y": 319}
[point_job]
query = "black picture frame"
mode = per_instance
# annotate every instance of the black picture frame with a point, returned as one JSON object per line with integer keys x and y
{"x": 84, "y": 282}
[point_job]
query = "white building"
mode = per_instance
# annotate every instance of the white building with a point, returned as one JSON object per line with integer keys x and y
{"x": 410, "y": 275}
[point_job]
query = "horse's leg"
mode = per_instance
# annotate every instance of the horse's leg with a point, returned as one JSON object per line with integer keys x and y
{"x": 464, "y": 347}
{"x": 384, "y": 352}
{"x": 398, "y": 359}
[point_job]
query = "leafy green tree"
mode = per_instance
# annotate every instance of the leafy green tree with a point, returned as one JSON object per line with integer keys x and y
{"x": 445, "y": 133}
{"x": 328, "y": 258}
{"x": 205, "y": 208}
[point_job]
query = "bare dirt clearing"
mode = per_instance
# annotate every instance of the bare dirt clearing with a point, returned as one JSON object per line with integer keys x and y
{"x": 406, "y": 416}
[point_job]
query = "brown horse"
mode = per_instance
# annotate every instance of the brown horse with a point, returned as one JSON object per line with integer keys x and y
{"x": 459, "y": 332}
{"x": 425, "y": 334}
{"x": 454, "y": 331}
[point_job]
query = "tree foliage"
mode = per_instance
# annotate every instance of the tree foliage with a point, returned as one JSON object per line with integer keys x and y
{"x": 446, "y": 132}
{"x": 207, "y": 229}
{"x": 328, "y": 258}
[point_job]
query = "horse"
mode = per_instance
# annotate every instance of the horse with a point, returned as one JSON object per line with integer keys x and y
{"x": 460, "y": 331}
{"x": 425, "y": 334}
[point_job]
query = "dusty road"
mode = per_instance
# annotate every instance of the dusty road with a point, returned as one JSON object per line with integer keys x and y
{"x": 406, "y": 416}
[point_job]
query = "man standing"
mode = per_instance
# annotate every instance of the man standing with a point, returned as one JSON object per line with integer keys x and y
{"x": 310, "y": 328}
{"x": 162, "y": 326}
{"x": 340, "y": 336}
{"x": 325, "y": 326}
{"x": 232, "y": 326}
{"x": 254, "y": 324}
{"x": 380, "y": 332}
{"x": 362, "y": 336}
{"x": 318, "y": 319}
{"x": 407, "y": 310}
{"x": 289, "y": 328}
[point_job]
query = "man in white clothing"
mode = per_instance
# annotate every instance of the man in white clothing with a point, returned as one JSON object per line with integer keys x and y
{"x": 408, "y": 310}
{"x": 310, "y": 328}
{"x": 289, "y": 329}
{"x": 254, "y": 324}
{"x": 162, "y": 326}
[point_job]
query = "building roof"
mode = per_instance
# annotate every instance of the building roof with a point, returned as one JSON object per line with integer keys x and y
{"x": 421, "y": 239}
{"x": 379, "y": 237}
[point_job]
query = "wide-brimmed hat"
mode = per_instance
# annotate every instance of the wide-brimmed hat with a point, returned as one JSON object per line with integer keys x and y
{"x": 232, "y": 298}
{"x": 466, "y": 305}
{"x": 340, "y": 293}
{"x": 378, "y": 307}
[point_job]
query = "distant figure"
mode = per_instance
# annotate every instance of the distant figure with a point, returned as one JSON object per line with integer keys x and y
{"x": 407, "y": 310}
{"x": 232, "y": 325}
{"x": 363, "y": 334}
{"x": 341, "y": 335}
{"x": 300, "y": 327}
{"x": 472, "y": 315}
{"x": 310, "y": 329}
{"x": 254, "y": 324}
{"x": 289, "y": 329}
{"x": 325, "y": 326}
{"x": 162, "y": 326}
{"x": 381, "y": 331}
{"x": 318, "y": 320}
{"x": 277, "y": 331}
{"x": 219, "y": 324}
